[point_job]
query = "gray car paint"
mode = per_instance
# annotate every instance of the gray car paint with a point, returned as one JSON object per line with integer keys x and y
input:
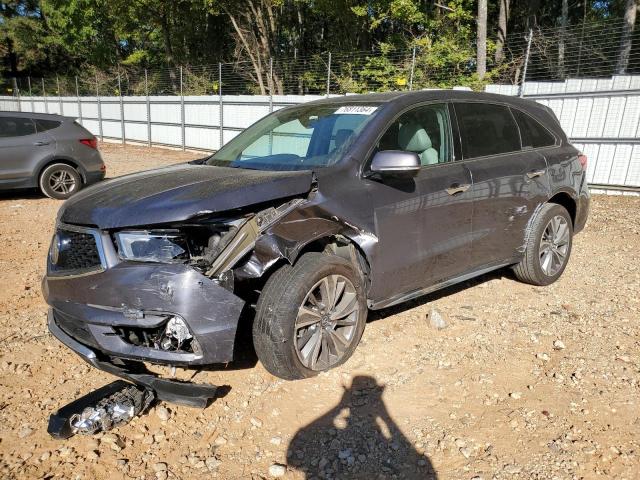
{"x": 408, "y": 234}
{"x": 23, "y": 158}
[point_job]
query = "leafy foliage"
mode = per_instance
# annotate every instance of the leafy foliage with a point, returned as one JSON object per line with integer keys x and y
{"x": 372, "y": 42}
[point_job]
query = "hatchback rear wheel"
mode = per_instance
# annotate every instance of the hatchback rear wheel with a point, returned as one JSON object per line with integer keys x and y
{"x": 60, "y": 181}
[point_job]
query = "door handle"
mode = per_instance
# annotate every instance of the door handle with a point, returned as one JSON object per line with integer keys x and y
{"x": 457, "y": 188}
{"x": 41, "y": 143}
{"x": 536, "y": 173}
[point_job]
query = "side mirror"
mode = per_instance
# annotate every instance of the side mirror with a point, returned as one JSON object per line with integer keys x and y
{"x": 395, "y": 162}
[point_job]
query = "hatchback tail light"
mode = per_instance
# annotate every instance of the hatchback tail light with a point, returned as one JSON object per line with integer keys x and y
{"x": 583, "y": 161}
{"x": 90, "y": 142}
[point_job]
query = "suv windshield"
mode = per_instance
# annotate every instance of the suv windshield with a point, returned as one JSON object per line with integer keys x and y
{"x": 300, "y": 138}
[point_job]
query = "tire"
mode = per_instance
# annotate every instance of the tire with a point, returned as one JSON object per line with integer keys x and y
{"x": 278, "y": 337}
{"x": 536, "y": 267}
{"x": 60, "y": 181}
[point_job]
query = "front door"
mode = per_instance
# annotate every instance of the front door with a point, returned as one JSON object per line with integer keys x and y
{"x": 423, "y": 223}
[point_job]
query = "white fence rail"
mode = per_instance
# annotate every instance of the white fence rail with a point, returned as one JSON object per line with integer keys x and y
{"x": 600, "y": 116}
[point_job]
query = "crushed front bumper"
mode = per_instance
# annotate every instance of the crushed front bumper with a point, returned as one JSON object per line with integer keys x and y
{"x": 184, "y": 393}
{"x": 91, "y": 309}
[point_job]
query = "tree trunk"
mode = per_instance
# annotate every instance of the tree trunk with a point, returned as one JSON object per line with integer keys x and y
{"x": 564, "y": 19}
{"x": 168, "y": 50}
{"x": 481, "y": 40}
{"x": 503, "y": 20}
{"x": 627, "y": 36}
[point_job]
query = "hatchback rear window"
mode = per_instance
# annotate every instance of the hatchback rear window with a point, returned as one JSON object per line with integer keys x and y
{"x": 486, "y": 129}
{"x": 44, "y": 125}
{"x": 533, "y": 134}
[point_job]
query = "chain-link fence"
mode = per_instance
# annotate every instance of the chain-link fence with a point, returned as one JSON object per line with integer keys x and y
{"x": 587, "y": 50}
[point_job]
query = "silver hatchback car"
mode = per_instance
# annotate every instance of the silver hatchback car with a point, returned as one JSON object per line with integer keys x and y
{"x": 50, "y": 152}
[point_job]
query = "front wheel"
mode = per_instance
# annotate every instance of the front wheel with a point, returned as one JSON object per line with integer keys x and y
{"x": 310, "y": 316}
{"x": 548, "y": 246}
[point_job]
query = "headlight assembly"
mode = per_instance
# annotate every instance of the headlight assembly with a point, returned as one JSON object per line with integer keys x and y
{"x": 153, "y": 246}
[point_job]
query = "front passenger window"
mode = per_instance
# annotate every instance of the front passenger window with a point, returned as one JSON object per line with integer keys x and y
{"x": 423, "y": 130}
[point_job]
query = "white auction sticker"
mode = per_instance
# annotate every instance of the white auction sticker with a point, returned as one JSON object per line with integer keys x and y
{"x": 356, "y": 110}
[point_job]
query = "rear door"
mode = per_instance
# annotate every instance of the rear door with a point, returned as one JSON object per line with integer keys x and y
{"x": 509, "y": 181}
{"x": 21, "y": 147}
{"x": 423, "y": 223}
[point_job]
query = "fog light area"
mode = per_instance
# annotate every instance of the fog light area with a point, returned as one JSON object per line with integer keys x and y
{"x": 172, "y": 336}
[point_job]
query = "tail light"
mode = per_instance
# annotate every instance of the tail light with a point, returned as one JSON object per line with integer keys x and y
{"x": 583, "y": 161}
{"x": 90, "y": 142}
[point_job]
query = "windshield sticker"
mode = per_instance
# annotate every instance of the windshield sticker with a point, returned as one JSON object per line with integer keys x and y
{"x": 356, "y": 110}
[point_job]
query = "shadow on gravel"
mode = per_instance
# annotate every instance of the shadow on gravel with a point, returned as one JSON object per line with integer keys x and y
{"x": 21, "y": 194}
{"x": 357, "y": 439}
{"x": 432, "y": 297}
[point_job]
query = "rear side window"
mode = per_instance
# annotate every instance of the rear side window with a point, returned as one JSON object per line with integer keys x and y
{"x": 44, "y": 125}
{"x": 486, "y": 129}
{"x": 533, "y": 134}
{"x": 16, "y": 127}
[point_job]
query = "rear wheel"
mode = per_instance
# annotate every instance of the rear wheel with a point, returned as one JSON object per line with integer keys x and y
{"x": 548, "y": 246}
{"x": 60, "y": 181}
{"x": 309, "y": 317}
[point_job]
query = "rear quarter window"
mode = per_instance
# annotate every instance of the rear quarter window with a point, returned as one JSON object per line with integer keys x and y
{"x": 532, "y": 132}
{"x": 44, "y": 125}
{"x": 486, "y": 129}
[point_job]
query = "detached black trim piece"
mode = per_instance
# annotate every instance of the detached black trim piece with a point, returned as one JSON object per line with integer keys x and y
{"x": 174, "y": 391}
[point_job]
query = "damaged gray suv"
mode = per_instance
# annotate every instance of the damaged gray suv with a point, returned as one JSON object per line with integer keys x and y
{"x": 305, "y": 221}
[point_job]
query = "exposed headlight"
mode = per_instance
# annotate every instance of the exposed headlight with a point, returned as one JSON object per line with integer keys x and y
{"x": 153, "y": 245}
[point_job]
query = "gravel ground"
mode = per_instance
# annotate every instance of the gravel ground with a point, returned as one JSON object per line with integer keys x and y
{"x": 523, "y": 382}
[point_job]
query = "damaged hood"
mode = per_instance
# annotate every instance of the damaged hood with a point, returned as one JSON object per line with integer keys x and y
{"x": 177, "y": 193}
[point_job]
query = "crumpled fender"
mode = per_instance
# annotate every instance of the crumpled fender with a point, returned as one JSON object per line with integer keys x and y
{"x": 292, "y": 233}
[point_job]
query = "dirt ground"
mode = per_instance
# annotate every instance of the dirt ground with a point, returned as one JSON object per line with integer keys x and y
{"x": 524, "y": 382}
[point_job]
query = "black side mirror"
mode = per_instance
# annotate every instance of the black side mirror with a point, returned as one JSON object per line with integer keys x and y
{"x": 395, "y": 162}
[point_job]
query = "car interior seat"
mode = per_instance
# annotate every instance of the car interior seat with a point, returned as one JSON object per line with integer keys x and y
{"x": 342, "y": 136}
{"x": 414, "y": 138}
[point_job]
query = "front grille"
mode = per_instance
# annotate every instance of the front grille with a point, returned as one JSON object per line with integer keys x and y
{"x": 75, "y": 328}
{"x": 74, "y": 252}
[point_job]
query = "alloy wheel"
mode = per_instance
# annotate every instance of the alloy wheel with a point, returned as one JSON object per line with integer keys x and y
{"x": 554, "y": 245}
{"x": 326, "y": 324}
{"x": 62, "y": 182}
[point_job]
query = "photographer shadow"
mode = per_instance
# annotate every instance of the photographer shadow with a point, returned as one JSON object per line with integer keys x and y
{"x": 357, "y": 439}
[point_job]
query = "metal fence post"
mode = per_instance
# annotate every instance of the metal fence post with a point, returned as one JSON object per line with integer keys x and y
{"x": 221, "y": 122}
{"x": 329, "y": 74}
{"x": 33, "y": 108}
{"x": 122, "y": 131}
{"x": 526, "y": 64}
{"x": 413, "y": 67}
{"x": 99, "y": 109}
{"x": 59, "y": 97}
{"x": 44, "y": 94}
{"x": 78, "y": 100}
{"x": 182, "y": 110}
{"x": 271, "y": 85}
{"x": 146, "y": 92}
